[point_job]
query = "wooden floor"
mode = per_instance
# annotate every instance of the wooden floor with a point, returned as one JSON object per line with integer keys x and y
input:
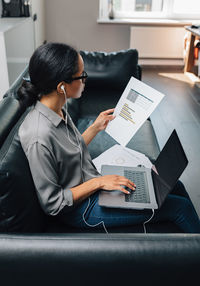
{"x": 180, "y": 109}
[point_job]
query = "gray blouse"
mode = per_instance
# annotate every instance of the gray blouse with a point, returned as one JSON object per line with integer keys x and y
{"x": 57, "y": 155}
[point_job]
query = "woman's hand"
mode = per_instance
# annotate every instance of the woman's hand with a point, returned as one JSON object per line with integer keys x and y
{"x": 99, "y": 124}
{"x": 108, "y": 182}
{"x": 103, "y": 119}
{"x": 115, "y": 182}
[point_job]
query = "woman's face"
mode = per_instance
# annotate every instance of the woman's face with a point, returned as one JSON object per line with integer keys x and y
{"x": 76, "y": 87}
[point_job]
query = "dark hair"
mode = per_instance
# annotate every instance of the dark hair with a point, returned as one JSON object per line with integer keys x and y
{"x": 50, "y": 64}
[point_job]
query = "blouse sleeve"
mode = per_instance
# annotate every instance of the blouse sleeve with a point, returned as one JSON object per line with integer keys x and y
{"x": 51, "y": 195}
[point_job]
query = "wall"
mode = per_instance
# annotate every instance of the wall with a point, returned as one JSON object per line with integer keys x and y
{"x": 75, "y": 22}
{"x": 38, "y": 7}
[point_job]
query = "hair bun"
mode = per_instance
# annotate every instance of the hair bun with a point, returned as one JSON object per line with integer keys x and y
{"x": 27, "y": 93}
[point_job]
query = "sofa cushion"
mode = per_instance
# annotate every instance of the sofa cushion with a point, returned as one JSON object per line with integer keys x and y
{"x": 144, "y": 140}
{"x": 19, "y": 206}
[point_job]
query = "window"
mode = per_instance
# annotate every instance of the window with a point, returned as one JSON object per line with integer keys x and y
{"x": 171, "y": 9}
{"x": 138, "y": 8}
{"x": 138, "y": 5}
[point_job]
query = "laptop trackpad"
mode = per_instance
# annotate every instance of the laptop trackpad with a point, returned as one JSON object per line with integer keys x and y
{"x": 115, "y": 198}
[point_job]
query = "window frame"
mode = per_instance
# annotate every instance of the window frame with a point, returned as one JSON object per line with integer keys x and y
{"x": 167, "y": 13}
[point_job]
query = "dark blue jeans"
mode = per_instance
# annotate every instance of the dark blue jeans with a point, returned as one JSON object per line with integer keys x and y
{"x": 177, "y": 208}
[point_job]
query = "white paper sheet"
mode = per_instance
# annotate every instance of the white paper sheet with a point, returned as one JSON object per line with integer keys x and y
{"x": 118, "y": 155}
{"x": 136, "y": 104}
{"x": 144, "y": 160}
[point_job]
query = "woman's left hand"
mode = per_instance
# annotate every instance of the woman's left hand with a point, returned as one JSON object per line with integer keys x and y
{"x": 103, "y": 119}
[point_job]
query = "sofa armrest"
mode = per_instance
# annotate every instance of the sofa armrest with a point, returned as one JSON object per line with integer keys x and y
{"x": 100, "y": 259}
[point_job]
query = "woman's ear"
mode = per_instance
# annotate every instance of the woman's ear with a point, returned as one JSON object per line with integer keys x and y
{"x": 61, "y": 88}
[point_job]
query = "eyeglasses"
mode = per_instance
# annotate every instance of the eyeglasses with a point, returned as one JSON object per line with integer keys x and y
{"x": 83, "y": 77}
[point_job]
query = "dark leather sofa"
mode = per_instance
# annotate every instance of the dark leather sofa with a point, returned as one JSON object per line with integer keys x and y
{"x": 39, "y": 250}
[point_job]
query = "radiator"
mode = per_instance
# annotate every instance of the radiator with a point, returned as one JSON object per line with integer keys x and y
{"x": 158, "y": 42}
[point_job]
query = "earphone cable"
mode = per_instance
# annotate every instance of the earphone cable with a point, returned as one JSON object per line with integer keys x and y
{"x": 145, "y": 231}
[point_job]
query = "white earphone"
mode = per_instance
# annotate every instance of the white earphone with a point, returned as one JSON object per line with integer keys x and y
{"x": 63, "y": 89}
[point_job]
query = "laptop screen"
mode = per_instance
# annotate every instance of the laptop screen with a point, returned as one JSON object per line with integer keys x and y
{"x": 171, "y": 161}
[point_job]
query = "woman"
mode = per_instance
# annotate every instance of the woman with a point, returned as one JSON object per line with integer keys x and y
{"x": 66, "y": 181}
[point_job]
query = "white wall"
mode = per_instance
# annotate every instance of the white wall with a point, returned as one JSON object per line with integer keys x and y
{"x": 38, "y": 7}
{"x": 75, "y": 22}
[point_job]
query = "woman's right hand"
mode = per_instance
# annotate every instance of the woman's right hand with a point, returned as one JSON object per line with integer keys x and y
{"x": 115, "y": 182}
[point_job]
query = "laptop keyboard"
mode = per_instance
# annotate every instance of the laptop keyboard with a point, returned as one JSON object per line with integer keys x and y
{"x": 141, "y": 194}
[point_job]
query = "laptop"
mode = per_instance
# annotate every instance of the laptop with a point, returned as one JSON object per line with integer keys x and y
{"x": 152, "y": 185}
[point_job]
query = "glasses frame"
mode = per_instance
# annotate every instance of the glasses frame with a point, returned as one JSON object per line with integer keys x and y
{"x": 83, "y": 77}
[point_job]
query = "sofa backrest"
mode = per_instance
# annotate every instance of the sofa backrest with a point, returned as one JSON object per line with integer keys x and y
{"x": 19, "y": 207}
{"x": 10, "y": 108}
{"x": 10, "y": 112}
{"x": 108, "y": 75}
